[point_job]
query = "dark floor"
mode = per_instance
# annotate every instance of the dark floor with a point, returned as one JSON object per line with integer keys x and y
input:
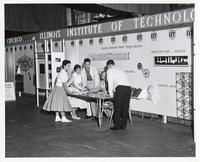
{"x": 32, "y": 133}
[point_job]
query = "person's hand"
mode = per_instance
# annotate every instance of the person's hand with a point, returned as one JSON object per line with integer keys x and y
{"x": 67, "y": 91}
{"x": 107, "y": 95}
{"x": 83, "y": 89}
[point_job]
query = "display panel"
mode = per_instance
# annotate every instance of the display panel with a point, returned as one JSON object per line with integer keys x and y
{"x": 151, "y": 60}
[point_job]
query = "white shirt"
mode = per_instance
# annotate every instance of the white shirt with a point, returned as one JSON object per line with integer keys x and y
{"x": 94, "y": 74}
{"x": 116, "y": 77}
{"x": 77, "y": 79}
{"x": 62, "y": 78}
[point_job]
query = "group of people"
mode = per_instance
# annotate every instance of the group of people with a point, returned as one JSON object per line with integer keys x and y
{"x": 87, "y": 79}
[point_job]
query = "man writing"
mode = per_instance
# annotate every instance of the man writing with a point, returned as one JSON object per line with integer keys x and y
{"x": 119, "y": 89}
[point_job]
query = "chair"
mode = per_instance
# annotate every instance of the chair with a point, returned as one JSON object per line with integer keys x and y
{"x": 109, "y": 106}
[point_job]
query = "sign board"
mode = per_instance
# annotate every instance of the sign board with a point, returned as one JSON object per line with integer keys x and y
{"x": 114, "y": 27}
{"x": 108, "y": 56}
{"x": 171, "y": 60}
{"x": 9, "y": 91}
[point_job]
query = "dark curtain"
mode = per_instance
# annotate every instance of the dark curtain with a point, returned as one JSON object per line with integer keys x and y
{"x": 35, "y": 17}
{"x": 142, "y": 9}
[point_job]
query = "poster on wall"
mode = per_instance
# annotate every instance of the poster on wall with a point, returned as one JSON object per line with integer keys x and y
{"x": 108, "y": 56}
{"x": 171, "y": 60}
{"x": 9, "y": 92}
{"x": 25, "y": 63}
{"x": 56, "y": 63}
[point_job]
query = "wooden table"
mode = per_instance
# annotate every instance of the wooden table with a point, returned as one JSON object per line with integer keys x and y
{"x": 99, "y": 97}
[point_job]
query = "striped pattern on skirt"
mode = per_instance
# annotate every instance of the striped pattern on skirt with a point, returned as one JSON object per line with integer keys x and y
{"x": 57, "y": 101}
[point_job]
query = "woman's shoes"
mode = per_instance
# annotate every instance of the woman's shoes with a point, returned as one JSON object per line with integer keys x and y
{"x": 57, "y": 119}
{"x": 75, "y": 117}
{"x": 65, "y": 120}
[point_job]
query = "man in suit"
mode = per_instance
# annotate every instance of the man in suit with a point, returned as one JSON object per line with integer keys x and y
{"x": 119, "y": 88}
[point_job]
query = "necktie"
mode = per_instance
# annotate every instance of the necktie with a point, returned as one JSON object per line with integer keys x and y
{"x": 89, "y": 77}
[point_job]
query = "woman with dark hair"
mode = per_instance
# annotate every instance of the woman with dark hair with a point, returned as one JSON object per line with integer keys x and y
{"x": 58, "y": 99}
{"x": 77, "y": 83}
{"x": 77, "y": 87}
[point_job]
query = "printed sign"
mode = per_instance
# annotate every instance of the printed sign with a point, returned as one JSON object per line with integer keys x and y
{"x": 82, "y": 32}
{"x": 108, "y": 56}
{"x": 171, "y": 60}
{"x": 9, "y": 91}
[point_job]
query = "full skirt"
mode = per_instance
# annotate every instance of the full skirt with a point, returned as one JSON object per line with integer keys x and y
{"x": 58, "y": 101}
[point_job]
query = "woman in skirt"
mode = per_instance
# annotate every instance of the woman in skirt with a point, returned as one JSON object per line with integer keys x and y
{"x": 58, "y": 100}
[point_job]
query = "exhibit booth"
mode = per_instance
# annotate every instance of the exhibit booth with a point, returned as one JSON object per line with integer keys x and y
{"x": 156, "y": 52}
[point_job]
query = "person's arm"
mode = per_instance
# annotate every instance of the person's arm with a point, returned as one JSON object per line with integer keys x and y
{"x": 96, "y": 77}
{"x": 66, "y": 81}
{"x": 103, "y": 87}
{"x": 97, "y": 89}
{"x": 84, "y": 78}
{"x": 77, "y": 86}
{"x": 70, "y": 81}
{"x": 110, "y": 82}
{"x": 65, "y": 85}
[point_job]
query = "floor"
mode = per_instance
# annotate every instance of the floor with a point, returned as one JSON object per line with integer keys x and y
{"x": 31, "y": 132}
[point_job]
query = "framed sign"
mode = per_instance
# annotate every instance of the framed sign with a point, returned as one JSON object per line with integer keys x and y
{"x": 9, "y": 92}
{"x": 171, "y": 60}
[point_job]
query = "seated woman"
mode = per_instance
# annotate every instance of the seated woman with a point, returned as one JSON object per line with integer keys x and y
{"x": 77, "y": 87}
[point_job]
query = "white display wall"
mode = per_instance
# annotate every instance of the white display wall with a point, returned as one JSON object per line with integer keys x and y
{"x": 71, "y": 52}
{"x": 171, "y": 46}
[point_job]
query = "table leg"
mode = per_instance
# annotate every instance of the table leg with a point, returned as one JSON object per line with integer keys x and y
{"x": 100, "y": 114}
{"x": 38, "y": 99}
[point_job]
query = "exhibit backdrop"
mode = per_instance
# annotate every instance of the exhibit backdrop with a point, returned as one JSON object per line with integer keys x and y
{"x": 159, "y": 62}
{"x": 24, "y": 57}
